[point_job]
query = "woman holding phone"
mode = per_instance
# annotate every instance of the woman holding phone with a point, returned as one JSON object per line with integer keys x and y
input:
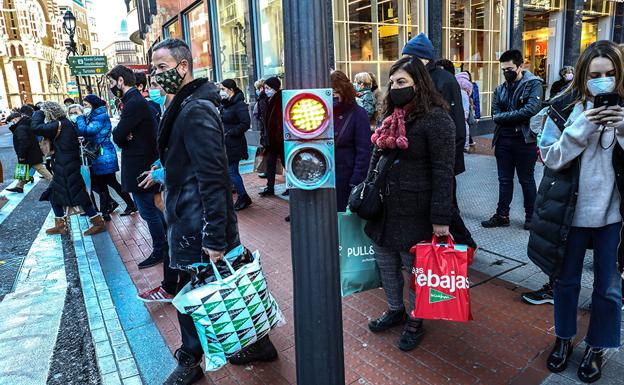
{"x": 580, "y": 204}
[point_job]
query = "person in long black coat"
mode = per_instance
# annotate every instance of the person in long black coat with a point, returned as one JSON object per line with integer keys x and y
{"x": 135, "y": 134}
{"x": 236, "y": 121}
{"x": 26, "y": 147}
{"x": 67, "y": 189}
{"x": 420, "y": 47}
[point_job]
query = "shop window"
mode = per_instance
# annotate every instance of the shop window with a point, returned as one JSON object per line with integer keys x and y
{"x": 198, "y": 27}
{"x": 271, "y": 38}
{"x": 473, "y": 39}
{"x": 597, "y": 7}
{"x": 173, "y": 30}
{"x": 589, "y": 33}
{"x": 542, "y": 5}
{"x": 369, "y": 35}
{"x": 232, "y": 46}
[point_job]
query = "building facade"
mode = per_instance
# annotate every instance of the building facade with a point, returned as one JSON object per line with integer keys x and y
{"x": 244, "y": 39}
{"x": 32, "y": 53}
{"x": 123, "y": 51}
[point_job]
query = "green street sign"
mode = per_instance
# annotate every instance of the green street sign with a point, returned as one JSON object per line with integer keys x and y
{"x": 87, "y": 65}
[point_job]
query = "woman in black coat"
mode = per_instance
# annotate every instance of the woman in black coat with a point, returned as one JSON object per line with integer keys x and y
{"x": 236, "y": 121}
{"x": 418, "y": 137}
{"x": 67, "y": 189}
{"x": 26, "y": 148}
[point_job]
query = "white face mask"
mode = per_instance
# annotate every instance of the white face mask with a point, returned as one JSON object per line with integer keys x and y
{"x": 87, "y": 111}
{"x": 569, "y": 77}
{"x": 223, "y": 94}
{"x": 601, "y": 85}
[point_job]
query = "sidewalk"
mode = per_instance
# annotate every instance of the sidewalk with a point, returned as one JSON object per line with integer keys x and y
{"x": 507, "y": 342}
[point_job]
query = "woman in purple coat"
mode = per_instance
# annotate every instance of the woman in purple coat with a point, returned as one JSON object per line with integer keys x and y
{"x": 352, "y": 135}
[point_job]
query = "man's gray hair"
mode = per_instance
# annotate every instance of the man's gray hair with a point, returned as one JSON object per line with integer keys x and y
{"x": 178, "y": 49}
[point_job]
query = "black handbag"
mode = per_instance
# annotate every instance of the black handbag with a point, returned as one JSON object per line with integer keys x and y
{"x": 366, "y": 199}
{"x": 91, "y": 150}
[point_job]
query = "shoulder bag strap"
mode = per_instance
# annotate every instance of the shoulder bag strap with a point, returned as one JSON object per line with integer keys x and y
{"x": 383, "y": 167}
{"x": 346, "y": 123}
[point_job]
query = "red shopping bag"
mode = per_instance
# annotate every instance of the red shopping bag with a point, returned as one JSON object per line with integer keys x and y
{"x": 440, "y": 278}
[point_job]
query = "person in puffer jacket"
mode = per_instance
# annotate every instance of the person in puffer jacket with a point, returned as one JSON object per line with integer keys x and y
{"x": 95, "y": 127}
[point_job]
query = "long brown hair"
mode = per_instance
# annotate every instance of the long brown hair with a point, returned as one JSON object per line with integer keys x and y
{"x": 341, "y": 83}
{"x": 426, "y": 97}
{"x": 602, "y": 48}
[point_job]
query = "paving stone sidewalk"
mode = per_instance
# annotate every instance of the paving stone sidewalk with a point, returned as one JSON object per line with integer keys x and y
{"x": 506, "y": 343}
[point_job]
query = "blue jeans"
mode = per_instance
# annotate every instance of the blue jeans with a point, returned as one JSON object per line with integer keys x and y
{"x": 606, "y": 310}
{"x": 154, "y": 218}
{"x": 514, "y": 155}
{"x": 237, "y": 180}
{"x": 59, "y": 211}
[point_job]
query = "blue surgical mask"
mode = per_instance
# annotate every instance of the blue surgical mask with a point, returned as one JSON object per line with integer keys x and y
{"x": 601, "y": 85}
{"x": 257, "y": 92}
{"x": 269, "y": 92}
{"x": 156, "y": 96}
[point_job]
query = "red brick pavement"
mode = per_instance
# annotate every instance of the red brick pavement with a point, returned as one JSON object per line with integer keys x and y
{"x": 506, "y": 343}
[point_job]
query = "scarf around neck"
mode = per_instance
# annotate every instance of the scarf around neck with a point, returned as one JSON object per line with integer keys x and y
{"x": 391, "y": 133}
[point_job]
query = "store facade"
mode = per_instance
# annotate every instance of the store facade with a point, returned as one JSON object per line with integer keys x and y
{"x": 244, "y": 39}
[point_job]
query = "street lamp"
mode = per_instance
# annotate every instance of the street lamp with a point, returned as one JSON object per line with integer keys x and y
{"x": 69, "y": 27}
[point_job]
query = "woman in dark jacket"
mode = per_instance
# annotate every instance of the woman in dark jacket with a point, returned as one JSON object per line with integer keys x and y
{"x": 352, "y": 138}
{"x": 95, "y": 127}
{"x": 419, "y": 133}
{"x": 67, "y": 189}
{"x": 236, "y": 121}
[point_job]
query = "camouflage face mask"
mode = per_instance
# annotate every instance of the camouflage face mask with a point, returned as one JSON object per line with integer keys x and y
{"x": 170, "y": 80}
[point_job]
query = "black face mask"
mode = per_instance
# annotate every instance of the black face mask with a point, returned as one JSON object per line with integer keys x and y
{"x": 116, "y": 91}
{"x": 401, "y": 96}
{"x": 510, "y": 76}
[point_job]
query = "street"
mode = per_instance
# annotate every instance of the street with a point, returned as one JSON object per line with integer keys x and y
{"x": 76, "y": 297}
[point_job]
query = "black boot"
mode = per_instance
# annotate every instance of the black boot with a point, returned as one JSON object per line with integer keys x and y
{"x": 242, "y": 202}
{"x": 262, "y": 351}
{"x": 590, "y": 369}
{"x": 388, "y": 320}
{"x": 187, "y": 372}
{"x": 559, "y": 356}
{"x": 154, "y": 259}
{"x": 267, "y": 192}
{"x": 129, "y": 211}
{"x": 412, "y": 335}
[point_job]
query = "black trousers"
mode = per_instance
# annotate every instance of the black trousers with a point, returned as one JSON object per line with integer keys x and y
{"x": 272, "y": 157}
{"x": 101, "y": 183}
{"x": 190, "y": 339}
{"x": 171, "y": 277}
{"x": 513, "y": 155}
{"x": 458, "y": 228}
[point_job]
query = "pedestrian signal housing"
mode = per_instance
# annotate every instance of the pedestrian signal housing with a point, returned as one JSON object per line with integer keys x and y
{"x": 309, "y": 138}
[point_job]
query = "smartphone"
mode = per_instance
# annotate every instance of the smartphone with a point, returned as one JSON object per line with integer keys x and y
{"x": 607, "y": 100}
{"x": 141, "y": 177}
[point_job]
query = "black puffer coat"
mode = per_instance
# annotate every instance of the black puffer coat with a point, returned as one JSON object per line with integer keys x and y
{"x": 419, "y": 185}
{"x": 236, "y": 121}
{"x": 25, "y": 143}
{"x": 198, "y": 191}
{"x": 556, "y": 203}
{"x": 67, "y": 188}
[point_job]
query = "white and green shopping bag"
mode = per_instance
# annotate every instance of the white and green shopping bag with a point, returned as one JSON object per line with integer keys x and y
{"x": 230, "y": 313}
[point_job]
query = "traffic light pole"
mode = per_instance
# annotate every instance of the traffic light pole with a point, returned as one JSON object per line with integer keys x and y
{"x": 314, "y": 230}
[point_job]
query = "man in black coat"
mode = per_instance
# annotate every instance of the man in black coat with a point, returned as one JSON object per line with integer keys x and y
{"x": 198, "y": 201}
{"x": 135, "y": 134}
{"x": 420, "y": 47}
{"x": 26, "y": 146}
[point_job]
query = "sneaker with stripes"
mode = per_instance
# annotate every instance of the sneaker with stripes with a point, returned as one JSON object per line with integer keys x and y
{"x": 155, "y": 295}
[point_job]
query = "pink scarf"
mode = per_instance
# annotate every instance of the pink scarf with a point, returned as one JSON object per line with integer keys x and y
{"x": 391, "y": 133}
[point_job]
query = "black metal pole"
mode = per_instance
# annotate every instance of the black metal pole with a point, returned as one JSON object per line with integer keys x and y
{"x": 572, "y": 32}
{"x": 314, "y": 230}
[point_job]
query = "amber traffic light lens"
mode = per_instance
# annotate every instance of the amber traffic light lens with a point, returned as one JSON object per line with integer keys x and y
{"x": 307, "y": 115}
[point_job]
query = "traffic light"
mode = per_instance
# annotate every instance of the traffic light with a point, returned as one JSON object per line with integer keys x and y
{"x": 309, "y": 139}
